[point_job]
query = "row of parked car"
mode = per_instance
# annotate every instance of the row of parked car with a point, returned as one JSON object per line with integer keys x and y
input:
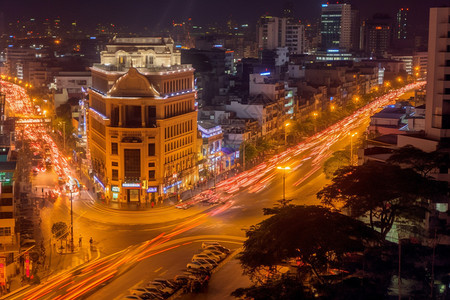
{"x": 209, "y": 258}
{"x": 197, "y": 273}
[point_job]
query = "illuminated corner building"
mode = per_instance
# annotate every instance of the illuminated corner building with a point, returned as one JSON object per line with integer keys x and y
{"x": 336, "y": 26}
{"x": 142, "y": 125}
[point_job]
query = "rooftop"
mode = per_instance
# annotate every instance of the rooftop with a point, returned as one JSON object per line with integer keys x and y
{"x": 162, "y": 70}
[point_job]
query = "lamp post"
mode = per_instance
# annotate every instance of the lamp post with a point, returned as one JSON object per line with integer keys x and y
{"x": 351, "y": 147}
{"x": 285, "y": 131}
{"x": 283, "y": 201}
{"x": 315, "y": 114}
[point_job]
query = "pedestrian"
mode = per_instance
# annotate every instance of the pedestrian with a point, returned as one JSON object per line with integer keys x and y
{"x": 91, "y": 241}
{"x": 80, "y": 241}
{"x": 153, "y": 204}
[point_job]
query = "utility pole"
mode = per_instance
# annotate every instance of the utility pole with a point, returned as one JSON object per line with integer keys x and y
{"x": 283, "y": 201}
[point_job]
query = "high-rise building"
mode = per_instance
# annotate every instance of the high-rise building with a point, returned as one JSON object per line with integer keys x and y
{"x": 355, "y": 30}
{"x": 336, "y": 26}
{"x": 377, "y": 35}
{"x": 437, "y": 118}
{"x": 142, "y": 127}
{"x": 274, "y": 32}
{"x": 401, "y": 24}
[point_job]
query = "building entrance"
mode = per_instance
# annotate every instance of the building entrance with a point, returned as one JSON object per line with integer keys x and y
{"x": 133, "y": 195}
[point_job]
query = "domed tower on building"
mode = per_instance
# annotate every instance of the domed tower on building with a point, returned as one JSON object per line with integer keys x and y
{"x": 142, "y": 125}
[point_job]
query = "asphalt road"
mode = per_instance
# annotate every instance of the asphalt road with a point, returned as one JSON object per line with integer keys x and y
{"x": 135, "y": 247}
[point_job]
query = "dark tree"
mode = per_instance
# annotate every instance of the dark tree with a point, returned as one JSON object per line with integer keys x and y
{"x": 382, "y": 192}
{"x": 420, "y": 161}
{"x": 315, "y": 236}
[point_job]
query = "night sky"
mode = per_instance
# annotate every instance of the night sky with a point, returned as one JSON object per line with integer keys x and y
{"x": 135, "y": 13}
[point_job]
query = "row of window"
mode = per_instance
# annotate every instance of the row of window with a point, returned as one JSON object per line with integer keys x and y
{"x": 177, "y": 85}
{"x": 180, "y": 166}
{"x": 178, "y": 143}
{"x": 178, "y": 129}
{"x": 178, "y": 155}
{"x": 5, "y": 231}
{"x": 177, "y": 109}
{"x": 6, "y": 215}
{"x": 97, "y": 126}
{"x": 115, "y": 149}
{"x": 6, "y": 202}
{"x": 98, "y": 105}
{"x": 115, "y": 175}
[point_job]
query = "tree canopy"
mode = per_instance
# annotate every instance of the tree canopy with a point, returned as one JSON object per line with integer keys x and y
{"x": 383, "y": 192}
{"x": 303, "y": 232}
{"x": 420, "y": 161}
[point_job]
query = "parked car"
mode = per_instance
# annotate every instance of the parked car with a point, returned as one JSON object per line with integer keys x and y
{"x": 166, "y": 291}
{"x": 206, "y": 256}
{"x": 182, "y": 279}
{"x": 167, "y": 282}
{"x": 216, "y": 253}
{"x": 198, "y": 266}
{"x": 211, "y": 243}
{"x": 134, "y": 297}
{"x": 218, "y": 248}
{"x": 144, "y": 290}
{"x": 212, "y": 264}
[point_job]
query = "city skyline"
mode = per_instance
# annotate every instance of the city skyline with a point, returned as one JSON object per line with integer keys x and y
{"x": 158, "y": 15}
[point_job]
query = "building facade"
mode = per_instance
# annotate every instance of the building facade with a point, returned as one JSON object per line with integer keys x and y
{"x": 275, "y": 32}
{"x": 142, "y": 125}
{"x": 437, "y": 118}
{"x": 336, "y": 26}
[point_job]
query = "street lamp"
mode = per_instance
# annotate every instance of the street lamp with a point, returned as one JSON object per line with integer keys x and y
{"x": 315, "y": 114}
{"x": 283, "y": 201}
{"x": 351, "y": 147}
{"x": 285, "y": 129}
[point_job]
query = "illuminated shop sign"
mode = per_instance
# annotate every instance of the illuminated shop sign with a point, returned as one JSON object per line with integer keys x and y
{"x": 152, "y": 189}
{"x": 131, "y": 185}
{"x": 115, "y": 188}
{"x": 172, "y": 185}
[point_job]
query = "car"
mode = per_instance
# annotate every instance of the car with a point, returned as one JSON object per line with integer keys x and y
{"x": 218, "y": 248}
{"x": 198, "y": 266}
{"x": 206, "y": 256}
{"x": 211, "y": 243}
{"x": 216, "y": 253}
{"x": 145, "y": 290}
{"x": 165, "y": 290}
{"x": 182, "y": 279}
{"x": 212, "y": 264}
{"x": 135, "y": 297}
{"x": 167, "y": 282}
